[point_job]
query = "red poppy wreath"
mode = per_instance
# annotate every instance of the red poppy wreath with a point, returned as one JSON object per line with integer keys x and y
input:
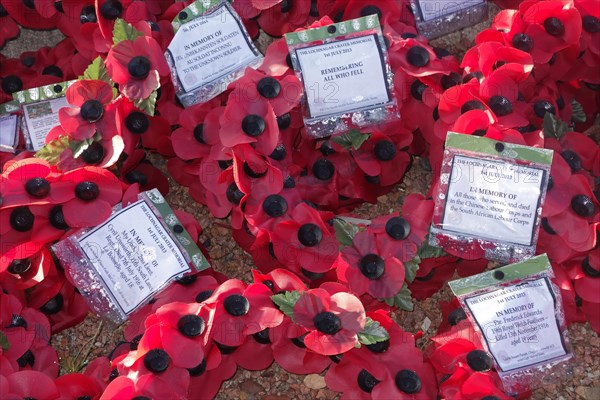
{"x": 325, "y": 287}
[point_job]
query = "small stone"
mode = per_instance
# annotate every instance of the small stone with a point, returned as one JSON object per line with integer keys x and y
{"x": 251, "y": 387}
{"x": 314, "y": 381}
{"x": 274, "y": 397}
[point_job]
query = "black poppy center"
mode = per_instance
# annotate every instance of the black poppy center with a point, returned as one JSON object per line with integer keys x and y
{"x": 203, "y": 296}
{"x": 385, "y": 150}
{"x": 92, "y": 110}
{"x": 198, "y": 369}
{"x": 199, "y": 133}
{"x": 253, "y": 125}
{"x": 111, "y": 9}
{"x": 37, "y": 187}
{"x": 137, "y": 122}
{"x": 582, "y": 205}
{"x": 554, "y": 26}
{"x": 472, "y": 105}
{"x": 572, "y": 159}
{"x": 3, "y": 12}
{"x": 542, "y": 107}
{"x": 479, "y": 361}
{"x": 19, "y": 266}
{"x": 87, "y": 191}
{"x": 190, "y": 325}
{"x": 456, "y": 315}
{"x": 370, "y": 10}
{"x": 417, "y": 88}
{"x": 417, "y": 56}
{"x": 157, "y": 360}
{"x": 93, "y": 154}
{"x": 236, "y": 305}
{"x": 11, "y": 84}
{"x": 54, "y": 305}
{"x": 234, "y": 194}
{"x": 523, "y": 42}
{"x": 17, "y": 321}
{"x": 21, "y": 219}
{"x": 139, "y": 67}
{"x": 310, "y": 235}
{"x": 286, "y": 6}
{"x": 29, "y": 4}
{"x": 591, "y": 24}
{"x": 268, "y": 87}
{"x": 372, "y": 266}
{"x": 262, "y": 337}
{"x": 323, "y": 169}
{"x": 279, "y": 153}
{"x": 397, "y": 228}
{"x": 379, "y": 347}
{"x": 408, "y": 381}
{"x": 53, "y": 70}
{"x": 138, "y": 177}
{"x": 88, "y": 14}
{"x": 275, "y": 205}
{"x": 28, "y": 358}
{"x": 451, "y": 80}
{"x": 328, "y": 323}
{"x": 299, "y": 341}
{"x": 366, "y": 381}
{"x": 57, "y": 218}
{"x": 587, "y": 269}
{"x": 500, "y": 105}
{"x": 284, "y": 121}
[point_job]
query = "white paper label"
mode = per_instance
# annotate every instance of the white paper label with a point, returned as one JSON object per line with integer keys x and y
{"x": 519, "y": 324}
{"x": 432, "y": 9}
{"x": 493, "y": 200}
{"x": 133, "y": 254}
{"x": 40, "y": 118}
{"x": 343, "y": 76}
{"x": 8, "y": 133}
{"x": 208, "y": 48}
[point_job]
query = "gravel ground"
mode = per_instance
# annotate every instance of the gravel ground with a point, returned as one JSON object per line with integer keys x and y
{"x": 274, "y": 383}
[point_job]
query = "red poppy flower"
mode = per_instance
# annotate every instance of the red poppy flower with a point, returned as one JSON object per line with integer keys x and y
{"x": 279, "y": 280}
{"x": 269, "y": 211}
{"x": 241, "y": 310}
{"x": 180, "y": 328}
{"x": 461, "y": 99}
{"x": 137, "y": 65}
{"x": 160, "y": 387}
{"x": 333, "y": 321}
{"x": 407, "y": 376}
{"x": 189, "y": 289}
{"x": 305, "y": 242}
{"x": 585, "y": 273}
{"x": 25, "y": 265}
{"x": 57, "y": 298}
{"x": 146, "y": 175}
{"x": 137, "y": 127}
{"x": 32, "y": 181}
{"x": 74, "y": 386}
{"x": 364, "y": 269}
{"x": 418, "y": 59}
{"x": 198, "y": 132}
{"x": 572, "y": 302}
{"x": 282, "y": 92}
{"x": 254, "y": 174}
{"x": 29, "y": 384}
{"x": 290, "y": 351}
{"x": 280, "y": 17}
{"x": 94, "y": 192}
{"x": 246, "y": 121}
{"x": 88, "y": 113}
{"x": 206, "y": 378}
{"x": 275, "y": 62}
{"x": 401, "y": 236}
{"x": 380, "y": 156}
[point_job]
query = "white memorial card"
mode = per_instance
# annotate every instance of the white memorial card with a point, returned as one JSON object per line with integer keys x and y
{"x": 493, "y": 199}
{"x": 210, "y": 47}
{"x": 8, "y": 133}
{"x": 133, "y": 254}
{"x": 344, "y": 76}
{"x": 519, "y": 324}
{"x": 40, "y": 118}
{"x": 432, "y": 9}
